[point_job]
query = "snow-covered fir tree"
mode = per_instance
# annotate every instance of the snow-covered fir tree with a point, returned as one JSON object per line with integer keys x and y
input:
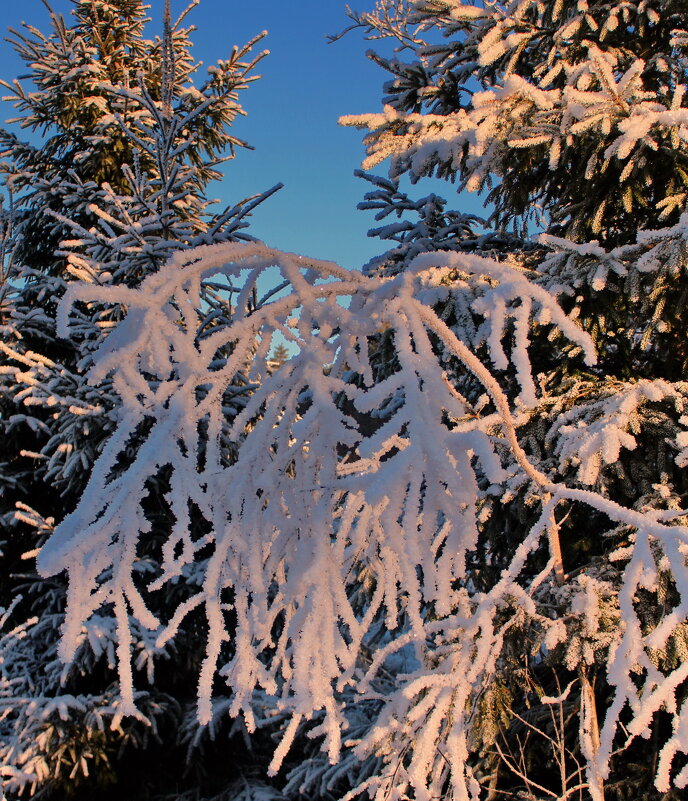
{"x": 571, "y": 115}
{"x": 114, "y": 187}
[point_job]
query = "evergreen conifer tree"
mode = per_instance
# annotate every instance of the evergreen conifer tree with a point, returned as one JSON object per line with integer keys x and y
{"x": 571, "y": 115}
{"x": 115, "y": 186}
{"x": 279, "y": 354}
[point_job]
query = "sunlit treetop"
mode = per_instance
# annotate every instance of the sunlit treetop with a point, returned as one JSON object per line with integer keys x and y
{"x": 571, "y": 110}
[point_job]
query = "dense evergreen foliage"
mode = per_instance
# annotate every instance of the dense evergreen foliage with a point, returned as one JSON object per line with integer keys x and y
{"x": 435, "y": 545}
{"x": 112, "y": 184}
{"x": 571, "y": 116}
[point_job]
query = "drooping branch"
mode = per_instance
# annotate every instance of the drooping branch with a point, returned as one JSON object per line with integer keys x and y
{"x": 324, "y": 476}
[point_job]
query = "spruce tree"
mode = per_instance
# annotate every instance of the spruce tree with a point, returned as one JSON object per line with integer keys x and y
{"x": 114, "y": 187}
{"x": 571, "y": 116}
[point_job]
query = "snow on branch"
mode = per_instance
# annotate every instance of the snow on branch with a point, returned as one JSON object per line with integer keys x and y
{"x": 326, "y": 480}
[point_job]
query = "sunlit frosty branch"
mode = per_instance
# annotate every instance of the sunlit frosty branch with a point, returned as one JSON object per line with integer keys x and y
{"x": 336, "y": 480}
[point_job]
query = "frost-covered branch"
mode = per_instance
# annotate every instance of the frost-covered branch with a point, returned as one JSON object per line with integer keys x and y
{"x": 328, "y": 481}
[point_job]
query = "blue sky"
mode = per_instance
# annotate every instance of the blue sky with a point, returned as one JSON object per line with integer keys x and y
{"x": 292, "y": 116}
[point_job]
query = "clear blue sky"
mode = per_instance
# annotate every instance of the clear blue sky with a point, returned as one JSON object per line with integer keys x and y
{"x": 292, "y": 116}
